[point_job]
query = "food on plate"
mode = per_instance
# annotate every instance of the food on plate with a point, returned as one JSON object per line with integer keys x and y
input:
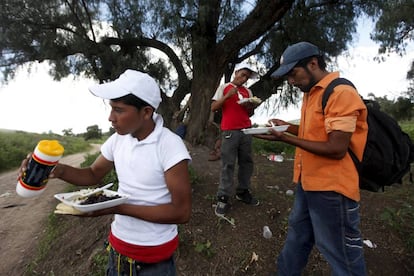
{"x": 64, "y": 209}
{"x": 256, "y": 125}
{"x": 255, "y": 100}
{"x": 98, "y": 197}
{"x": 88, "y": 201}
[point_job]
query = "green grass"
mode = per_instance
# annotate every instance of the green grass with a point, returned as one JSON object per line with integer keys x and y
{"x": 408, "y": 127}
{"x": 263, "y": 146}
{"x": 109, "y": 178}
{"x": 400, "y": 217}
{"x": 15, "y": 145}
{"x": 51, "y": 234}
{"x": 100, "y": 260}
{"x": 204, "y": 248}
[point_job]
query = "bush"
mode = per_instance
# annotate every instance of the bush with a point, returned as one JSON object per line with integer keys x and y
{"x": 109, "y": 178}
{"x": 408, "y": 127}
{"x": 263, "y": 147}
{"x": 15, "y": 145}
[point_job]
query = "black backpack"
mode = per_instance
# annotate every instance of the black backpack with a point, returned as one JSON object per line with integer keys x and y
{"x": 388, "y": 152}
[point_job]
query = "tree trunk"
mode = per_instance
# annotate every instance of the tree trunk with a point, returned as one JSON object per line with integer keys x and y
{"x": 199, "y": 129}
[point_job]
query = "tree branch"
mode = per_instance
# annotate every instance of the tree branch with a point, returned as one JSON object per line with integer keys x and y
{"x": 261, "y": 19}
{"x": 89, "y": 19}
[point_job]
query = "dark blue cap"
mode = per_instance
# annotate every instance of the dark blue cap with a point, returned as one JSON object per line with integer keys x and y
{"x": 292, "y": 55}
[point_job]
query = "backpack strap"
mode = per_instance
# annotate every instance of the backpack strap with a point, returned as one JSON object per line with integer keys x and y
{"x": 329, "y": 89}
{"x": 326, "y": 94}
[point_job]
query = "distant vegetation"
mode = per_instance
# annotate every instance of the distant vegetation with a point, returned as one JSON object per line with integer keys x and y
{"x": 408, "y": 126}
{"x": 263, "y": 146}
{"x": 15, "y": 145}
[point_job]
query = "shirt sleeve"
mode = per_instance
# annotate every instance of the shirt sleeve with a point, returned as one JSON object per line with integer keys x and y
{"x": 219, "y": 92}
{"x": 343, "y": 109}
{"x": 107, "y": 148}
{"x": 345, "y": 124}
{"x": 172, "y": 150}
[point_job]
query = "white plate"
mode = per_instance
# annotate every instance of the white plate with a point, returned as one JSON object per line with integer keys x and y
{"x": 75, "y": 198}
{"x": 252, "y": 100}
{"x": 264, "y": 130}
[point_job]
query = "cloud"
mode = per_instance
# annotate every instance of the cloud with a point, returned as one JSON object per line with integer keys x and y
{"x": 35, "y": 102}
{"x": 387, "y": 78}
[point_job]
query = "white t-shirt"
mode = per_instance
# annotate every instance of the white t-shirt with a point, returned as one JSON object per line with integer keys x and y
{"x": 140, "y": 167}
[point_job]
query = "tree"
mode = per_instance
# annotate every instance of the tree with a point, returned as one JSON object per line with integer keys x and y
{"x": 93, "y": 132}
{"x": 394, "y": 29}
{"x": 68, "y": 132}
{"x": 200, "y": 42}
{"x": 403, "y": 109}
{"x": 400, "y": 109}
{"x": 394, "y": 24}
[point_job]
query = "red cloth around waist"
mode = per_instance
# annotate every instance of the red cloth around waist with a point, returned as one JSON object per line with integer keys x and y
{"x": 145, "y": 254}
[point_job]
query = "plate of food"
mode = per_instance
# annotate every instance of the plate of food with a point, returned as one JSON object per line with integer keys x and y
{"x": 254, "y": 100}
{"x": 87, "y": 201}
{"x": 264, "y": 130}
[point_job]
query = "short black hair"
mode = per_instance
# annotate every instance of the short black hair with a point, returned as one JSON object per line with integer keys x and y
{"x": 305, "y": 61}
{"x": 133, "y": 100}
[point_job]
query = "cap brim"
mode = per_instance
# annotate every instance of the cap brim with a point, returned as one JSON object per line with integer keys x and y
{"x": 109, "y": 90}
{"x": 283, "y": 70}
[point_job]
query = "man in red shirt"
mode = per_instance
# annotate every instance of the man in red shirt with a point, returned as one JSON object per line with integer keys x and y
{"x": 236, "y": 111}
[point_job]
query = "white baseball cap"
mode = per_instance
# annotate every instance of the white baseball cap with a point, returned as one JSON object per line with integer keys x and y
{"x": 133, "y": 82}
{"x": 247, "y": 66}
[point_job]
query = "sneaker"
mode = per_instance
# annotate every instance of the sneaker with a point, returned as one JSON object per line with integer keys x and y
{"x": 222, "y": 206}
{"x": 246, "y": 197}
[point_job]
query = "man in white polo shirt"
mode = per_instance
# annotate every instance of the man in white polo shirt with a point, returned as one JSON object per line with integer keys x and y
{"x": 151, "y": 163}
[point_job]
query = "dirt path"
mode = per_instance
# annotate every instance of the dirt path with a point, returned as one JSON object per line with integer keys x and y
{"x": 22, "y": 219}
{"x": 208, "y": 246}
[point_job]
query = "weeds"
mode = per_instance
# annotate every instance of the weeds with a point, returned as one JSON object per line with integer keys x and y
{"x": 100, "y": 261}
{"x": 402, "y": 221}
{"x": 53, "y": 230}
{"x": 204, "y": 248}
{"x": 194, "y": 178}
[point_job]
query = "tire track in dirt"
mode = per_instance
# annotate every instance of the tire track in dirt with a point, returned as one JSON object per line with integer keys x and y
{"x": 23, "y": 219}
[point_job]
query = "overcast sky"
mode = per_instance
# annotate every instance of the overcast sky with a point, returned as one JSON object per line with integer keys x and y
{"x": 35, "y": 103}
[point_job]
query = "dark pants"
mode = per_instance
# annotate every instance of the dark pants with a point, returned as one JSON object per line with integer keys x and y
{"x": 235, "y": 147}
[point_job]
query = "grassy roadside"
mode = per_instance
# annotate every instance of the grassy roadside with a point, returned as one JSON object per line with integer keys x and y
{"x": 14, "y": 146}
{"x": 400, "y": 218}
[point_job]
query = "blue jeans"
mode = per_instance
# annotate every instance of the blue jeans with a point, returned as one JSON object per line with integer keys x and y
{"x": 330, "y": 221}
{"x": 119, "y": 265}
{"x": 235, "y": 147}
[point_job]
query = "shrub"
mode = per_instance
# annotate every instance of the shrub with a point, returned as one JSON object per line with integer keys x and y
{"x": 263, "y": 146}
{"x": 15, "y": 145}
